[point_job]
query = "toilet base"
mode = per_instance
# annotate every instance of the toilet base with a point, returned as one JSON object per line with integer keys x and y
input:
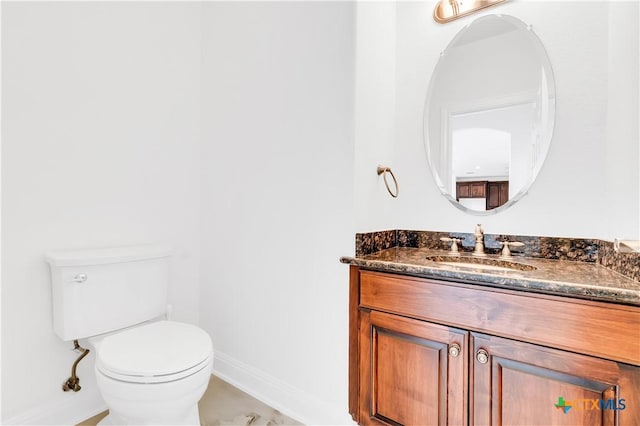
{"x": 192, "y": 419}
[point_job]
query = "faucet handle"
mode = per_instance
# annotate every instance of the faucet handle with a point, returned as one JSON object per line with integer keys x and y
{"x": 506, "y": 252}
{"x": 454, "y": 244}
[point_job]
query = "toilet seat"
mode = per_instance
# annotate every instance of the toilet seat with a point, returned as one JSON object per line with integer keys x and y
{"x": 158, "y": 352}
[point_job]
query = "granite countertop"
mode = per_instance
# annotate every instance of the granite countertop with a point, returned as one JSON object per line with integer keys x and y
{"x": 585, "y": 280}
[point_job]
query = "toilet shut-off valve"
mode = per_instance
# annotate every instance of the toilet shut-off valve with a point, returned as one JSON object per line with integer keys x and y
{"x": 73, "y": 382}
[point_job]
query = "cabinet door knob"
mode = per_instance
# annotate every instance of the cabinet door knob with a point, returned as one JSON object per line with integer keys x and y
{"x": 482, "y": 356}
{"x": 454, "y": 349}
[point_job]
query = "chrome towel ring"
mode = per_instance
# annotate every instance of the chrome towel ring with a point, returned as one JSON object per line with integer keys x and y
{"x": 382, "y": 170}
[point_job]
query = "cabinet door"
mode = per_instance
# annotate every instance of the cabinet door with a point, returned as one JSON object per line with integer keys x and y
{"x": 516, "y": 383}
{"x": 411, "y": 372}
{"x": 504, "y": 192}
{"x": 463, "y": 190}
{"x": 497, "y": 194}
{"x": 478, "y": 189}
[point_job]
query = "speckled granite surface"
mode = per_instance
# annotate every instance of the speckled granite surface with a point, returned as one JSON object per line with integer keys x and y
{"x": 587, "y": 280}
{"x": 577, "y": 267}
{"x": 572, "y": 249}
{"x": 628, "y": 264}
{"x": 372, "y": 242}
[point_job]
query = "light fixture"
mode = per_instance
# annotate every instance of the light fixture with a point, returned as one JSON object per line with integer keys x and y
{"x": 448, "y": 10}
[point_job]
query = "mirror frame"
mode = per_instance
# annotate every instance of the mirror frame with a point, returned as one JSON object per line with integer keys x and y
{"x": 546, "y": 64}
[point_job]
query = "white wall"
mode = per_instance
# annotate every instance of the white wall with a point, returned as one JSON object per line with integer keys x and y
{"x": 375, "y": 89}
{"x": 100, "y": 147}
{"x": 277, "y": 200}
{"x": 593, "y": 48}
{"x": 622, "y": 170}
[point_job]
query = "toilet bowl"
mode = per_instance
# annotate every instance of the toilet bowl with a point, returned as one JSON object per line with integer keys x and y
{"x": 153, "y": 374}
{"x": 149, "y": 371}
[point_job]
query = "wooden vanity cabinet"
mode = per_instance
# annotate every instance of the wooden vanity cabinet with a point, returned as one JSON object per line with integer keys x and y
{"x": 429, "y": 352}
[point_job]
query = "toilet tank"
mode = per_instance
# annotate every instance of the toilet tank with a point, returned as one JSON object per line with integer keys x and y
{"x": 101, "y": 290}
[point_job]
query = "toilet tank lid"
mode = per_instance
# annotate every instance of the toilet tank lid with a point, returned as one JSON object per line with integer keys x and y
{"x": 106, "y": 255}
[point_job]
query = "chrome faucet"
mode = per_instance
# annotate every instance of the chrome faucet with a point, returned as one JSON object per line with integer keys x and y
{"x": 478, "y": 250}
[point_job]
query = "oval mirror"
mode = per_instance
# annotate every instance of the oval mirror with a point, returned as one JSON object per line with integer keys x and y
{"x": 489, "y": 114}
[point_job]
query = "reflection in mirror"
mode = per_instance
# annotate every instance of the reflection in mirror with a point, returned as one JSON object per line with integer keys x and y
{"x": 489, "y": 114}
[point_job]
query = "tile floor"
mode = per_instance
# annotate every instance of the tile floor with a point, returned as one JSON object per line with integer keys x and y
{"x": 225, "y": 405}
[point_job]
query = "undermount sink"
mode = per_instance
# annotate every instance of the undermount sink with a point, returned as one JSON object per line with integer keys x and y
{"x": 481, "y": 263}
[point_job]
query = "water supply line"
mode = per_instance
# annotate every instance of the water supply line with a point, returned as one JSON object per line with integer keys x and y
{"x": 73, "y": 382}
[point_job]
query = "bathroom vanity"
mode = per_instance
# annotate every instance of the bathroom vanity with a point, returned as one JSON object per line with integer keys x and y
{"x": 436, "y": 343}
{"x": 548, "y": 336}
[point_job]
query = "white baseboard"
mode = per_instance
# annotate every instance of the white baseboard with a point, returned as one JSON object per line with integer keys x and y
{"x": 287, "y": 399}
{"x": 70, "y": 409}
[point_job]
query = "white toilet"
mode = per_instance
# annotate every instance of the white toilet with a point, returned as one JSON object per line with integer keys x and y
{"x": 149, "y": 371}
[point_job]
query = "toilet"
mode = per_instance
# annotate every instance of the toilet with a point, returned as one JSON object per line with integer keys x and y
{"x": 150, "y": 371}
